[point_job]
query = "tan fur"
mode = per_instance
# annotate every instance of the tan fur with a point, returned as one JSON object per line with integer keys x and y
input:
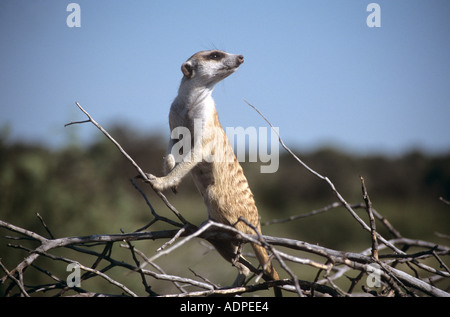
{"x": 221, "y": 181}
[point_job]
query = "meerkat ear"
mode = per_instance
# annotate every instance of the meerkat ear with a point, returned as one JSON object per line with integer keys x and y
{"x": 187, "y": 70}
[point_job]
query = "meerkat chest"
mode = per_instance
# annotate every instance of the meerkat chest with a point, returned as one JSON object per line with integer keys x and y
{"x": 191, "y": 116}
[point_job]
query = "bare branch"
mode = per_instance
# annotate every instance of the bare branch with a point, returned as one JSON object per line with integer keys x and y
{"x": 326, "y": 179}
{"x": 445, "y": 201}
{"x": 128, "y": 157}
{"x": 373, "y": 232}
{"x": 309, "y": 214}
{"x": 16, "y": 281}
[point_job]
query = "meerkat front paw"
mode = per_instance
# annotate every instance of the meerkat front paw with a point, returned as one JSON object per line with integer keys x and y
{"x": 161, "y": 183}
{"x": 154, "y": 181}
{"x": 150, "y": 177}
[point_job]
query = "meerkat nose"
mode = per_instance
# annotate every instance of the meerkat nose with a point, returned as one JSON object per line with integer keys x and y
{"x": 240, "y": 59}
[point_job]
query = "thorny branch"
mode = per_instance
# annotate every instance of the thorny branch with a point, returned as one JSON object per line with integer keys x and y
{"x": 332, "y": 265}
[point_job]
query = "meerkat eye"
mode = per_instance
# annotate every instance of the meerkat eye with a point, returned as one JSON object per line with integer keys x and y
{"x": 216, "y": 56}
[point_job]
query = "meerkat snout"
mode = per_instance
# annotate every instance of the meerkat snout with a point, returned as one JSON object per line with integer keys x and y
{"x": 238, "y": 60}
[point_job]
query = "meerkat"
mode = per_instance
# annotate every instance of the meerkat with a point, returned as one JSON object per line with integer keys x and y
{"x": 220, "y": 179}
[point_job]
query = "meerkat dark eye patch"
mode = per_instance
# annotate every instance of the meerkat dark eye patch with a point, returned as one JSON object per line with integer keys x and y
{"x": 216, "y": 55}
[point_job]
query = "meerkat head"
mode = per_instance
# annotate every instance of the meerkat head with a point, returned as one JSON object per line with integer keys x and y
{"x": 210, "y": 67}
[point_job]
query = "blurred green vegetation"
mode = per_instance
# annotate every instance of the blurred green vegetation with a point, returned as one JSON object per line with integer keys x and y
{"x": 84, "y": 190}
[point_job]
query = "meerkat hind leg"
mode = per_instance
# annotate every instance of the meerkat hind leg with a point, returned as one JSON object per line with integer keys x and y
{"x": 229, "y": 251}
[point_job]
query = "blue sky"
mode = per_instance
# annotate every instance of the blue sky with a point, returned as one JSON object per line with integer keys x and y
{"x": 314, "y": 68}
